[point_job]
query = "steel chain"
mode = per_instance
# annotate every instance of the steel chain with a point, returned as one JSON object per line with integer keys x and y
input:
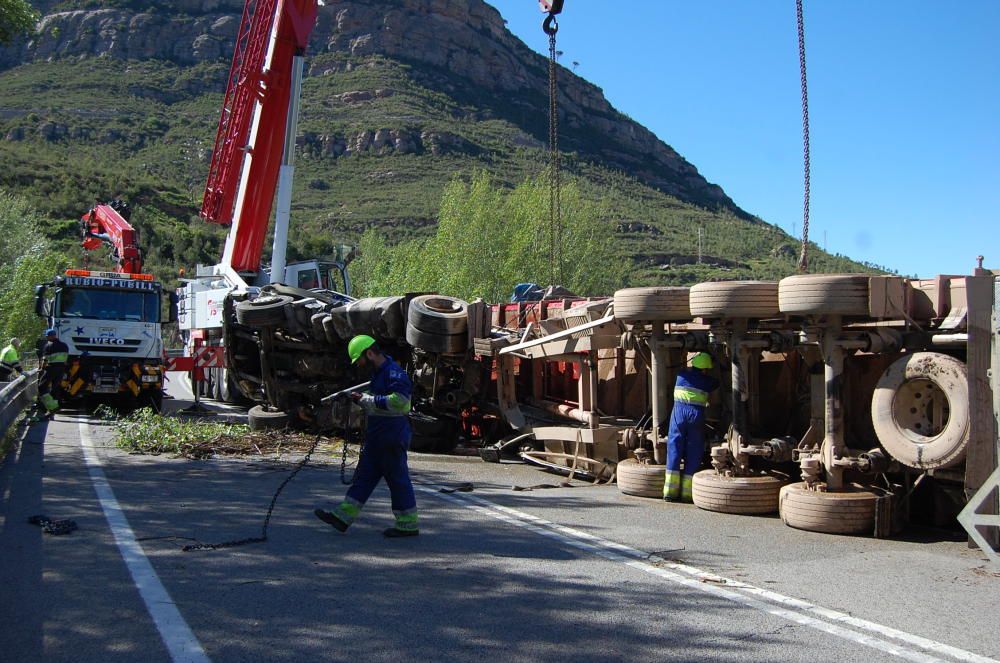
{"x": 555, "y": 202}
{"x": 804, "y": 253}
{"x": 267, "y": 519}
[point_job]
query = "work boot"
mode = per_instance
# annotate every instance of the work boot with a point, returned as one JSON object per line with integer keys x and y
{"x": 331, "y": 518}
{"x": 396, "y": 533}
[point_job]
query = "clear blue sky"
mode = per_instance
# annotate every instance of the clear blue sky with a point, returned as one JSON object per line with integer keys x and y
{"x": 904, "y": 100}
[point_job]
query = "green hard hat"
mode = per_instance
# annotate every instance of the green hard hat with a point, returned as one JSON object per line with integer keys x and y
{"x": 358, "y": 345}
{"x": 702, "y": 360}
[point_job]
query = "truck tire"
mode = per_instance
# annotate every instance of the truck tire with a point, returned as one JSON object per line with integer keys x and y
{"x": 437, "y": 314}
{"x": 920, "y": 410}
{"x": 657, "y": 304}
{"x": 851, "y": 511}
{"x": 735, "y": 299}
{"x": 754, "y": 495}
{"x": 439, "y": 343}
{"x": 262, "y": 418}
{"x": 433, "y": 434}
{"x": 265, "y": 311}
{"x": 824, "y": 294}
{"x": 641, "y": 480}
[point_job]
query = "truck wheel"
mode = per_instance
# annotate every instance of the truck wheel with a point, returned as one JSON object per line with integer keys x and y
{"x": 824, "y": 294}
{"x": 437, "y": 314}
{"x": 268, "y": 310}
{"x": 263, "y": 418}
{"x": 746, "y": 495}
{"x": 440, "y": 343}
{"x": 851, "y": 511}
{"x": 921, "y": 410}
{"x": 658, "y": 304}
{"x": 735, "y": 299}
{"x": 641, "y": 480}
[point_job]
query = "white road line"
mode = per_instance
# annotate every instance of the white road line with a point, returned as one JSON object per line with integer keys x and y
{"x": 792, "y": 609}
{"x": 180, "y": 641}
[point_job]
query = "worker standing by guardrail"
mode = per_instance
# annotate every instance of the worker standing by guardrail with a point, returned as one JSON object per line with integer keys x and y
{"x": 10, "y": 360}
{"x": 55, "y": 354}
{"x": 386, "y": 441}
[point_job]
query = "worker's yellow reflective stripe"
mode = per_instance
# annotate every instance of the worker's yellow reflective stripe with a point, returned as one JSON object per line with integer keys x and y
{"x": 9, "y": 355}
{"x": 687, "y": 487}
{"x": 397, "y": 403}
{"x": 348, "y": 510}
{"x": 58, "y": 357}
{"x": 691, "y": 395}
{"x": 406, "y": 520}
{"x": 672, "y": 484}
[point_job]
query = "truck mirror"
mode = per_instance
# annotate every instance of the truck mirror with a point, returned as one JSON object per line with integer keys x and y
{"x": 40, "y": 300}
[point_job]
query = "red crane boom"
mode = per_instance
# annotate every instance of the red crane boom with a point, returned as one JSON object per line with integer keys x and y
{"x": 250, "y": 139}
{"x": 106, "y": 225}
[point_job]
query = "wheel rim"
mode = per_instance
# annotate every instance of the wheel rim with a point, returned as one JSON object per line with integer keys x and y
{"x": 920, "y": 410}
{"x": 442, "y": 305}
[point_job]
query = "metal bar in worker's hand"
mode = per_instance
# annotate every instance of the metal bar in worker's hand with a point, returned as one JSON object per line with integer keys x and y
{"x": 343, "y": 392}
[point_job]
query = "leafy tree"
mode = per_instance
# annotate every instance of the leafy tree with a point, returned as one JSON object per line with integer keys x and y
{"x": 26, "y": 259}
{"x": 17, "y": 17}
{"x": 489, "y": 239}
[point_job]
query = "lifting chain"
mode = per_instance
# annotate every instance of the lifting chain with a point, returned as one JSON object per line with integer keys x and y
{"x": 551, "y": 27}
{"x": 267, "y": 519}
{"x": 804, "y": 253}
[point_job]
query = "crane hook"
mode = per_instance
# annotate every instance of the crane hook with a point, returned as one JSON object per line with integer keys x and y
{"x": 550, "y": 26}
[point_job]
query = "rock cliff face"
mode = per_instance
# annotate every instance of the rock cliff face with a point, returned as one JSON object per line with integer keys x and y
{"x": 461, "y": 45}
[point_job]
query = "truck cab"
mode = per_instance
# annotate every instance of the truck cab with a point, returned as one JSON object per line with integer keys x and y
{"x": 312, "y": 274}
{"x": 111, "y": 323}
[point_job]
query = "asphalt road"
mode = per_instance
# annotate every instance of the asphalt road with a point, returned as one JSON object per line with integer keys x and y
{"x": 579, "y": 573}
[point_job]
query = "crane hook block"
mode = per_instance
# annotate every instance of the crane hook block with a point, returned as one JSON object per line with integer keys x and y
{"x": 551, "y": 7}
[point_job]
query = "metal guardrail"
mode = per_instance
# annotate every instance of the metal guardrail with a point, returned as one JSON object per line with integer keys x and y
{"x": 15, "y": 396}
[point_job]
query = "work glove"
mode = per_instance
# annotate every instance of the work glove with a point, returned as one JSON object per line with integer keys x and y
{"x": 367, "y": 401}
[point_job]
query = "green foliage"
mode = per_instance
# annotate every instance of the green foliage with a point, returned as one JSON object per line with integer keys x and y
{"x": 26, "y": 259}
{"x": 146, "y": 432}
{"x": 489, "y": 239}
{"x": 143, "y": 130}
{"x": 17, "y": 17}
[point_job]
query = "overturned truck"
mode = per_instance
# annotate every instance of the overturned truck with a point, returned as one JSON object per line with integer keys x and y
{"x": 850, "y": 403}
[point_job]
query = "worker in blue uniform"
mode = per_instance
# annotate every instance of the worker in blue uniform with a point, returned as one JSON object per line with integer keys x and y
{"x": 387, "y": 439}
{"x": 686, "y": 439}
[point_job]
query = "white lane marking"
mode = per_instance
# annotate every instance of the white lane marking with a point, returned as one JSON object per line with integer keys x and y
{"x": 180, "y": 641}
{"x": 761, "y": 599}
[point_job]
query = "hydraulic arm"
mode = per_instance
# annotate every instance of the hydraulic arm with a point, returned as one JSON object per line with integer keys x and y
{"x": 107, "y": 224}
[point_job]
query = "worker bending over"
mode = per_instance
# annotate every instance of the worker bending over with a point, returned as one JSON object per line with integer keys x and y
{"x": 686, "y": 439}
{"x": 387, "y": 403}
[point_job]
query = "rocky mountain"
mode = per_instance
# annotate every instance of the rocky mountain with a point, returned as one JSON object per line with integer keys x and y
{"x": 460, "y": 47}
{"x": 121, "y": 98}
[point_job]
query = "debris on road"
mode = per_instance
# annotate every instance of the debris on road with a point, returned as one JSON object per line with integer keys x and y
{"x": 52, "y": 526}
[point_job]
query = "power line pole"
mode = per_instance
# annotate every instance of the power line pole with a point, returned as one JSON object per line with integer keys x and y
{"x": 699, "y": 245}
